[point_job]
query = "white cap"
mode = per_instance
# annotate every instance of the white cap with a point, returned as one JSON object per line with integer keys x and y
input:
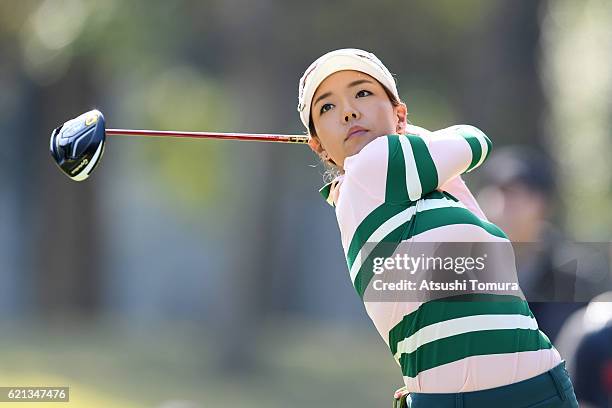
{"x": 340, "y": 60}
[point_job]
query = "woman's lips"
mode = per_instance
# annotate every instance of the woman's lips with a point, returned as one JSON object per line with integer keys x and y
{"x": 355, "y": 131}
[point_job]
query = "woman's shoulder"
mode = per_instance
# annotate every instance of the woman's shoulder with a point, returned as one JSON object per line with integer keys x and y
{"x": 370, "y": 154}
{"x": 377, "y": 152}
{"x": 460, "y": 128}
{"x": 366, "y": 171}
{"x": 416, "y": 130}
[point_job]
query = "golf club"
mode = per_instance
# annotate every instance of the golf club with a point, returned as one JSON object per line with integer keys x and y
{"x": 78, "y": 145}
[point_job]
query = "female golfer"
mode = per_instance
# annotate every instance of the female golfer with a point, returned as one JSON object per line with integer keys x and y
{"x": 395, "y": 183}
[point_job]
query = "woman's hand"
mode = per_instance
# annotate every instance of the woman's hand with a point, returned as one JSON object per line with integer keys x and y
{"x": 401, "y": 398}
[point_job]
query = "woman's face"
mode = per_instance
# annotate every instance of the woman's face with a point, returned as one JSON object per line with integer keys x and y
{"x": 349, "y": 110}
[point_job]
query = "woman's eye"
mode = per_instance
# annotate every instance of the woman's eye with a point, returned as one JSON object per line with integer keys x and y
{"x": 326, "y": 107}
{"x": 363, "y": 93}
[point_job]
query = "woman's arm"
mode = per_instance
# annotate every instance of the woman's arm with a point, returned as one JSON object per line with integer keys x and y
{"x": 455, "y": 150}
{"x": 413, "y": 165}
{"x": 455, "y": 186}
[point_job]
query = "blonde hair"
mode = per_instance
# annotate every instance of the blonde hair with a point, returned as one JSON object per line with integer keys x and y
{"x": 331, "y": 169}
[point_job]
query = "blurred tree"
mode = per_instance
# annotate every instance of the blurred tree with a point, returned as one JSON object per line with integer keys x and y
{"x": 576, "y": 63}
{"x": 69, "y": 233}
{"x": 60, "y": 219}
{"x": 498, "y": 63}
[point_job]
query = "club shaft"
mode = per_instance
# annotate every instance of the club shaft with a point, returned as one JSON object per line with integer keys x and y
{"x": 210, "y": 135}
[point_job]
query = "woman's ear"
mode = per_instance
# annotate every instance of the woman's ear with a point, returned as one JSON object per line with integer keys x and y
{"x": 315, "y": 145}
{"x": 401, "y": 113}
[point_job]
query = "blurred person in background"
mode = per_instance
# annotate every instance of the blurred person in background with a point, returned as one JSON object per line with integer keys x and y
{"x": 586, "y": 341}
{"x": 593, "y": 360}
{"x": 521, "y": 198}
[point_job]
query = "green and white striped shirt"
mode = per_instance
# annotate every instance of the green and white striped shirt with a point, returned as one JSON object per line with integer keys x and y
{"x": 395, "y": 191}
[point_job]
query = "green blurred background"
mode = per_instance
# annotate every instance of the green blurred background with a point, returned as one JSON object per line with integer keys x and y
{"x": 210, "y": 273}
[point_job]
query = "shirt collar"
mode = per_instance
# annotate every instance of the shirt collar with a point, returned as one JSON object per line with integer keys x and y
{"x": 330, "y": 190}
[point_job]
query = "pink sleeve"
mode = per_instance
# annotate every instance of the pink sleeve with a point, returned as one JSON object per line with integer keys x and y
{"x": 458, "y": 189}
{"x": 455, "y": 186}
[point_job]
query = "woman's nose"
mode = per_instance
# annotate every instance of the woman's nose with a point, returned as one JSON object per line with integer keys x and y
{"x": 349, "y": 115}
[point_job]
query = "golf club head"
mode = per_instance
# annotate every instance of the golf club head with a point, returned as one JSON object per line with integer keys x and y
{"x": 77, "y": 146}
